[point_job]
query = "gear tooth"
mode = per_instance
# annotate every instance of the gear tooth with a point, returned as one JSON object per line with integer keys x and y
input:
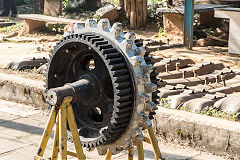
{"x": 141, "y": 51}
{"x": 150, "y": 87}
{"x": 129, "y": 143}
{"x": 67, "y": 33}
{"x": 104, "y": 24}
{"x": 151, "y": 106}
{"x": 130, "y": 36}
{"x": 147, "y": 124}
{"x": 145, "y": 98}
{"x": 129, "y": 44}
{"x": 117, "y": 30}
{"x": 146, "y": 69}
{"x": 143, "y": 115}
{"x": 77, "y": 27}
{"x": 98, "y": 143}
{"x": 90, "y": 23}
{"x": 137, "y": 60}
{"x": 138, "y": 133}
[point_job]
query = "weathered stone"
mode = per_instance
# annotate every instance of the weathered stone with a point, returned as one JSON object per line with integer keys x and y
{"x": 109, "y": 12}
{"x": 22, "y": 90}
{"x": 208, "y": 133}
{"x": 30, "y": 26}
{"x": 173, "y": 24}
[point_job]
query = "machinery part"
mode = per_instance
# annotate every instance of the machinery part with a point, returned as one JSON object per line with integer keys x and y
{"x": 27, "y": 63}
{"x": 109, "y": 65}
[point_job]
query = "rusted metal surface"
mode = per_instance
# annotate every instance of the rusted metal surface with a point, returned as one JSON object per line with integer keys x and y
{"x": 195, "y": 87}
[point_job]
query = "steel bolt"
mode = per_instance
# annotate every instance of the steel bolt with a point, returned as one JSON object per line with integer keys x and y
{"x": 195, "y": 73}
{"x": 178, "y": 66}
{"x": 184, "y": 74}
{"x": 223, "y": 78}
{"x": 206, "y": 80}
{"x": 167, "y": 67}
{"x": 218, "y": 78}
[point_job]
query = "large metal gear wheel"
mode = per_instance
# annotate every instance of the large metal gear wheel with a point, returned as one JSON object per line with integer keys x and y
{"x": 117, "y": 105}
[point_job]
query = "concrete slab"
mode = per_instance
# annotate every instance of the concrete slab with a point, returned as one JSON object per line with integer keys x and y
{"x": 14, "y": 51}
{"x": 208, "y": 133}
{"x": 19, "y": 140}
{"x": 18, "y": 109}
{"x": 22, "y": 90}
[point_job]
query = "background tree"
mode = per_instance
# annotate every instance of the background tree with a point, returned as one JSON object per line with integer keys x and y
{"x": 136, "y": 12}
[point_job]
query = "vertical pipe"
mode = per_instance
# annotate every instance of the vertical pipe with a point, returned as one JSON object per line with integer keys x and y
{"x": 188, "y": 23}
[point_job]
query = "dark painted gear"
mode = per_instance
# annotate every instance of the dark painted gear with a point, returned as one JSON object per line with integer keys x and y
{"x": 103, "y": 119}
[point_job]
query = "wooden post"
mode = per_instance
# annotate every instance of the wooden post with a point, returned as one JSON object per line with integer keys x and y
{"x": 136, "y": 11}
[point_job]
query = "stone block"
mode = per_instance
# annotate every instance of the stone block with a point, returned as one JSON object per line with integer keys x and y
{"x": 173, "y": 24}
{"x": 31, "y": 26}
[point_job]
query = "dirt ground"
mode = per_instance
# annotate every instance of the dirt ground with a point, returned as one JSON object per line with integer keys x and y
{"x": 28, "y": 46}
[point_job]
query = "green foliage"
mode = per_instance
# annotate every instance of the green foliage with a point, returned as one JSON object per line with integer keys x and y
{"x": 67, "y": 5}
{"x": 210, "y": 111}
{"x": 153, "y": 2}
{"x": 10, "y": 29}
{"x": 214, "y": 112}
{"x": 161, "y": 32}
{"x": 165, "y": 103}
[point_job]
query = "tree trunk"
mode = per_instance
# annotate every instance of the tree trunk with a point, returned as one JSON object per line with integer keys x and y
{"x": 121, "y": 3}
{"x": 52, "y": 7}
{"x": 39, "y": 6}
{"x": 136, "y": 11}
{"x": 93, "y": 4}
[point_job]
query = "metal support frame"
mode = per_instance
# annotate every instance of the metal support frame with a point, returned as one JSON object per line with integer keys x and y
{"x": 188, "y": 23}
{"x": 62, "y": 114}
{"x": 140, "y": 152}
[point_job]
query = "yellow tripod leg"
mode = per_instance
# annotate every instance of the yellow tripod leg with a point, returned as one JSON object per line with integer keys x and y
{"x": 63, "y": 132}
{"x": 74, "y": 131}
{"x": 140, "y": 151}
{"x": 154, "y": 143}
{"x": 130, "y": 154}
{"x": 109, "y": 155}
{"x": 47, "y": 132}
{"x": 56, "y": 142}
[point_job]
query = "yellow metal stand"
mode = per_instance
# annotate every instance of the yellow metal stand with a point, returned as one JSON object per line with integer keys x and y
{"x": 140, "y": 152}
{"x": 62, "y": 114}
{"x": 65, "y": 113}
